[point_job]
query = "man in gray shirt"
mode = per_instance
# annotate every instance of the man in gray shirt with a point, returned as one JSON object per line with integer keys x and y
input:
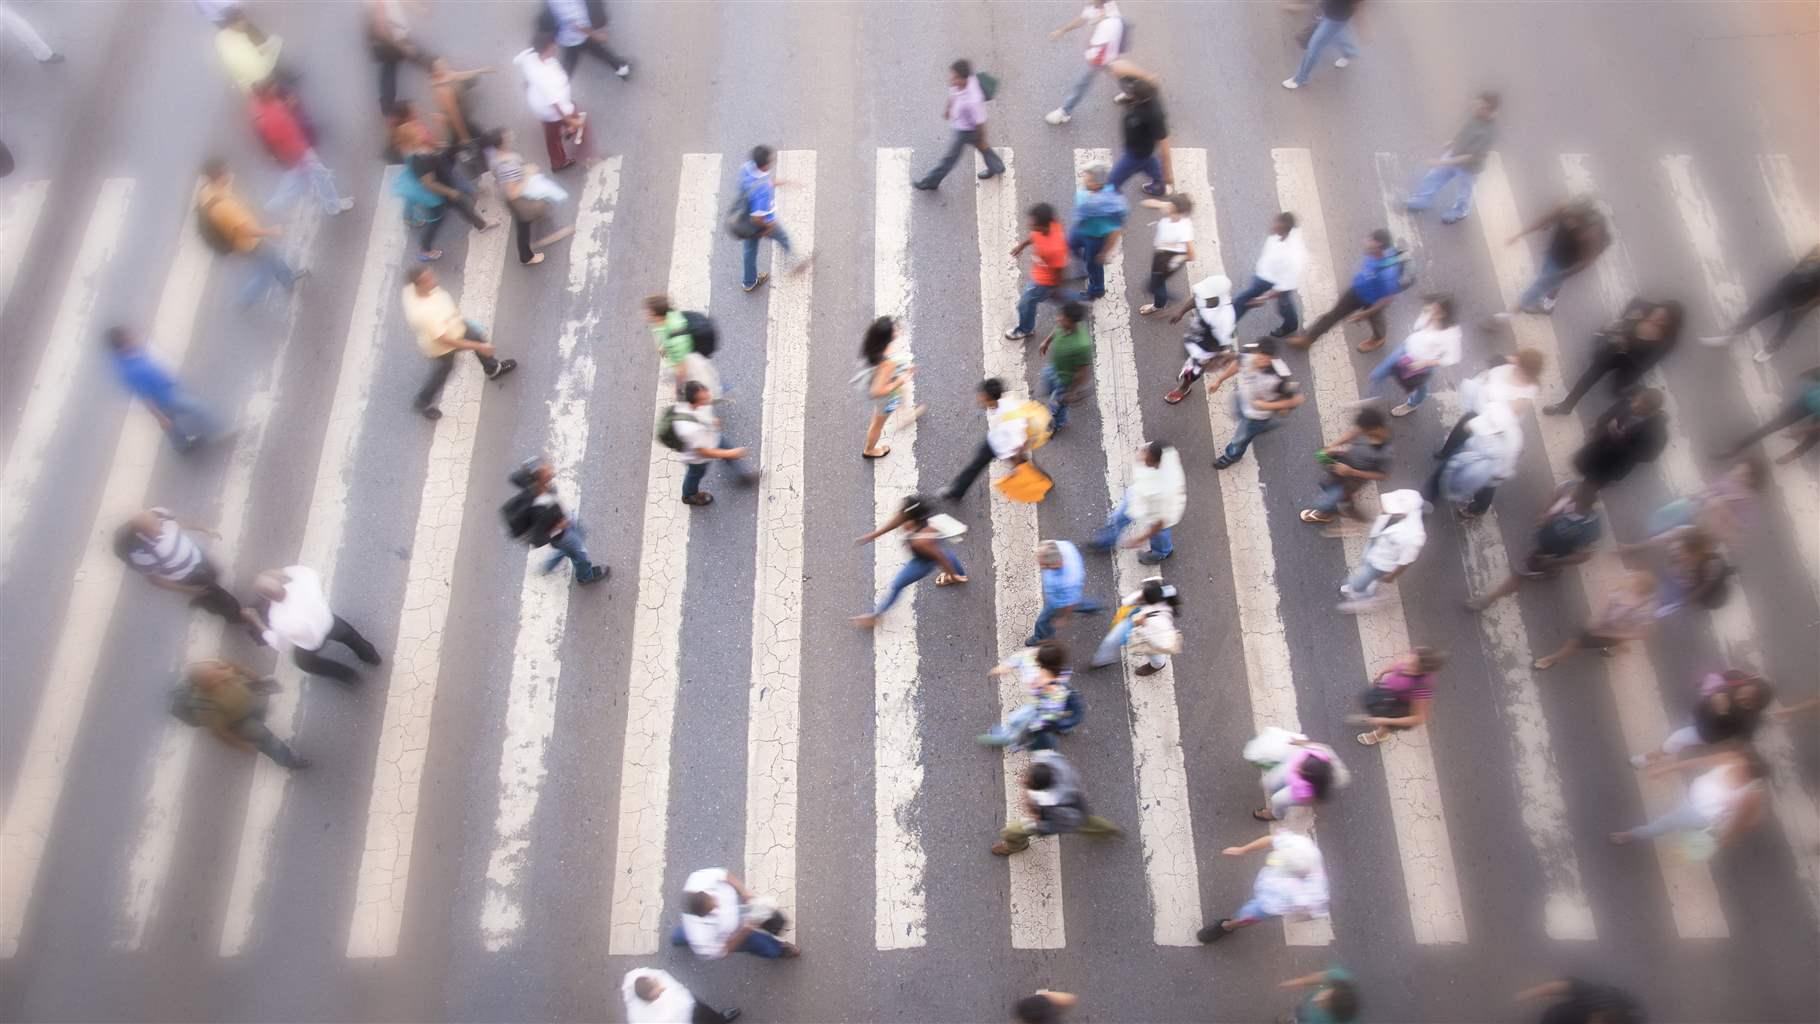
{"x": 1463, "y": 160}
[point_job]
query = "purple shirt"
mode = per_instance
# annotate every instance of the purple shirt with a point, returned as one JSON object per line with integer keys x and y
{"x": 966, "y": 105}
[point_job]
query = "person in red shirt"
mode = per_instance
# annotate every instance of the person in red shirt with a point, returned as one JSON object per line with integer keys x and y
{"x": 1051, "y": 244}
{"x": 277, "y": 122}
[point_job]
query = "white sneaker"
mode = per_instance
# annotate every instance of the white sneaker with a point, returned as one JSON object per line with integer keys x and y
{"x": 1639, "y": 761}
{"x": 1290, "y": 83}
{"x": 346, "y": 204}
{"x": 1403, "y": 409}
{"x": 1548, "y": 304}
{"x": 1342, "y": 62}
{"x": 1716, "y": 340}
{"x": 1058, "y": 116}
{"x": 623, "y": 71}
{"x": 1763, "y": 355}
{"x": 1146, "y": 309}
{"x": 1122, "y": 97}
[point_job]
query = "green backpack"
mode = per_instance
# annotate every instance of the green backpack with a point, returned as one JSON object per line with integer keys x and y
{"x": 988, "y": 84}
{"x": 666, "y": 428}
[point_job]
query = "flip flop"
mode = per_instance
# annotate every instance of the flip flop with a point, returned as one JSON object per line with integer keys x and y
{"x": 1311, "y": 516}
{"x": 949, "y": 579}
{"x": 1370, "y": 739}
{"x": 879, "y": 455}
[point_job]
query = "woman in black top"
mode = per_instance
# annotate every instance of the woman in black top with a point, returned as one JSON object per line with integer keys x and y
{"x": 1633, "y": 431}
{"x": 1627, "y": 348}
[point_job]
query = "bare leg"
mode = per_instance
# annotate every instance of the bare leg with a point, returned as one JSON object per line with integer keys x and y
{"x": 1568, "y": 650}
{"x": 873, "y": 431}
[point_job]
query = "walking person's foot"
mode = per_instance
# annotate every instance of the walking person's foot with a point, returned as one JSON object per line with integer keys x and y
{"x": 729, "y": 1015}
{"x": 345, "y": 204}
{"x": 866, "y": 621}
{"x": 594, "y": 575}
{"x": 1403, "y": 409}
{"x": 1763, "y": 355}
{"x": 1342, "y": 62}
{"x": 56, "y": 57}
{"x": 1371, "y": 344}
{"x": 1148, "y": 669}
{"x": 924, "y": 186}
{"x": 625, "y": 71}
{"x": 1058, "y": 116}
{"x": 503, "y": 367}
{"x": 1452, "y": 218}
{"x": 1151, "y": 557}
{"x": 1147, "y": 308}
{"x": 1716, "y": 340}
{"x": 1175, "y": 397}
{"x": 430, "y": 412}
{"x": 699, "y": 498}
{"x": 761, "y": 279}
{"x": 1213, "y": 932}
{"x": 535, "y": 259}
{"x": 988, "y": 175}
{"x": 1223, "y": 461}
{"x": 1290, "y": 83}
{"x": 1016, "y": 334}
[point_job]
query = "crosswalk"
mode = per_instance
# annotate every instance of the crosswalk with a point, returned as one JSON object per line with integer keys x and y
{"x": 1165, "y": 712}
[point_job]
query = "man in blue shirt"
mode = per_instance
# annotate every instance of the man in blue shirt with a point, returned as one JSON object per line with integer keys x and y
{"x": 1099, "y": 222}
{"x": 185, "y": 421}
{"x": 1376, "y": 283}
{"x": 1064, "y": 580}
{"x": 758, "y": 189}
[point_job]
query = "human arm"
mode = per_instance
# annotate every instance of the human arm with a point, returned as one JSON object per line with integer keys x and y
{"x": 1182, "y": 310}
{"x": 722, "y": 453}
{"x": 1070, "y": 27}
{"x": 1783, "y": 714}
{"x": 1167, "y": 154}
{"x": 1059, "y": 1000}
{"x": 1278, "y": 404}
{"x": 881, "y": 379}
{"x": 886, "y": 527}
{"x": 1546, "y": 990}
{"x": 1591, "y": 252}
{"x": 1303, "y": 981}
{"x": 1260, "y": 843}
{"x": 1018, "y": 249}
{"x": 450, "y": 105}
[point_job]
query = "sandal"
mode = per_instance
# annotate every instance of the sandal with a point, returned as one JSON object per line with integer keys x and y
{"x": 1263, "y": 814}
{"x": 875, "y": 455}
{"x": 1371, "y": 344}
{"x": 1175, "y": 397}
{"x": 535, "y": 259}
{"x": 948, "y": 579}
{"x": 1310, "y": 515}
{"x": 1372, "y": 739}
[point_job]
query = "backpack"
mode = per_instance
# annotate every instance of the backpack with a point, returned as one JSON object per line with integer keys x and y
{"x": 988, "y": 84}
{"x": 183, "y": 705}
{"x": 518, "y": 514}
{"x": 701, "y": 332}
{"x": 1567, "y": 533}
{"x": 739, "y": 217}
{"x": 666, "y": 428}
{"x": 212, "y": 236}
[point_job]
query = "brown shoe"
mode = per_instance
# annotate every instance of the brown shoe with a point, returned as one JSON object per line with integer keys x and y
{"x": 699, "y": 498}
{"x": 762, "y": 278}
{"x": 1175, "y": 396}
{"x": 1371, "y": 344}
{"x": 1148, "y": 669}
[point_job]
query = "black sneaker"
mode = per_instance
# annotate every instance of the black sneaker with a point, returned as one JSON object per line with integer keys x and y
{"x": 430, "y": 412}
{"x": 595, "y": 575}
{"x": 503, "y": 367}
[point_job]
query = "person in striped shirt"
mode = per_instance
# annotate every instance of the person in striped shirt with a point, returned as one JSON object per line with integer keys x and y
{"x": 154, "y": 544}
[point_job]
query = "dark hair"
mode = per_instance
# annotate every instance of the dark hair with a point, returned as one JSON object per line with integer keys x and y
{"x": 1370, "y": 418}
{"x": 492, "y": 139}
{"x": 1382, "y": 237}
{"x": 1530, "y": 360}
{"x": 1052, "y": 655}
{"x": 915, "y": 508}
{"x": 1036, "y": 1010}
{"x": 1181, "y": 203}
{"x": 1491, "y": 99}
{"x": 526, "y": 473}
{"x": 1155, "y": 449}
{"x": 119, "y": 338}
{"x": 1318, "y": 773}
{"x": 657, "y": 305}
{"x": 878, "y": 338}
{"x": 1287, "y": 218}
{"x": 1342, "y": 1001}
{"x": 214, "y": 167}
{"x": 761, "y": 157}
{"x": 696, "y": 903}
{"x": 1043, "y": 214}
{"x": 415, "y": 274}
{"x": 1140, "y": 90}
{"x": 1445, "y": 301}
{"x": 1039, "y": 776}
{"x": 1157, "y": 592}
{"x": 1677, "y": 314}
{"x": 992, "y": 388}
{"x": 693, "y": 388}
{"x": 1429, "y": 659}
{"x": 1075, "y": 312}
{"x": 962, "y": 68}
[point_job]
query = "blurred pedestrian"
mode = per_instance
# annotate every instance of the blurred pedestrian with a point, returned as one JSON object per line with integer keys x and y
{"x": 1172, "y": 250}
{"x": 1307, "y": 774}
{"x": 230, "y": 701}
{"x": 697, "y": 431}
{"x": 14, "y": 24}
{"x": 1049, "y": 242}
{"x": 1726, "y": 508}
{"x": 1208, "y": 342}
{"x": 529, "y": 196}
{"x": 1628, "y": 612}
{"x": 1725, "y": 800}
{"x": 1064, "y": 582}
{"x": 548, "y": 95}
{"x": 1053, "y": 805}
{"x": 1627, "y": 349}
{"x": 298, "y": 616}
{"x": 966, "y": 117}
{"x": 1565, "y": 533}
{"x": 1007, "y": 437}
{"x": 653, "y": 997}
{"x": 1513, "y": 380}
{"x": 1104, "y": 44}
{"x": 187, "y": 422}
{"x": 389, "y": 40}
{"x": 580, "y": 27}
{"x": 1145, "y": 626}
{"x": 1793, "y": 296}
{"x": 249, "y": 55}
{"x": 1099, "y": 223}
{"x": 1395, "y": 542}
{"x": 1693, "y": 573}
{"x": 1334, "y": 999}
{"x": 535, "y": 516}
{"x": 1468, "y": 470}
{"x": 1800, "y": 417}
{"x": 1577, "y": 235}
{"x": 452, "y": 92}
{"x": 928, "y": 550}
{"x": 685, "y": 340}
{"x": 228, "y": 226}
{"x": 721, "y": 916}
{"x": 432, "y": 181}
{"x": 1460, "y": 162}
{"x": 1574, "y": 1001}
{"x": 1045, "y": 1007}
{"x": 1400, "y": 695}
{"x": 758, "y": 196}
{"x": 1153, "y": 503}
{"x": 886, "y": 372}
{"x": 1333, "y": 28}
{"x": 1293, "y": 880}
{"x": 1354, "y": 460}
{"x": 1277, "y": 276}
{"x": 1632, "y": 432}
{"x": 1043, "y": 671}
{"x": 275, "y": 122}
{"x": 1266, "y": 393}
{"x": 1069, "y": 370}
{"x": 1143, "y": 132}
{"x": 1726, "y": 712}
{"x": 155, "y": 545}
{"x": 442, "y": 332}
{"x": 1377, "y": 281}
{"x": 1433, "y": 343}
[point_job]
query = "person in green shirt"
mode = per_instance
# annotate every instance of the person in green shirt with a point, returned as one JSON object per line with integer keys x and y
{"x": 669, "y": 330}
{"x": 1070, "y": 351}
{"x": 1334, "y": 1000}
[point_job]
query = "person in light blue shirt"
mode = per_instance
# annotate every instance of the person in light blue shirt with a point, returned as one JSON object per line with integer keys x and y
{"x": 1064, "y": 582}
{"x": 581, "y": 27}
{"x": 758, "y": 190}
{"x": 1099, "y": 223}
{"x": 1378, "y": 280}
{"x": 184, "y": 420}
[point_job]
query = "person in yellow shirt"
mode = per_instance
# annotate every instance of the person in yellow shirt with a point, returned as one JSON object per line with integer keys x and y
{"x": 230, "y": 227}
{"x": 441, "y": 332}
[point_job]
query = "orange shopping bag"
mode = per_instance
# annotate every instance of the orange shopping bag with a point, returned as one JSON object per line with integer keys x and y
{"x": 1026, "y": 483}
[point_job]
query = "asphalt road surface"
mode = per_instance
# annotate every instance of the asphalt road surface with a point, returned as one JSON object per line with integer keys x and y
{"x": 499, "y": 819}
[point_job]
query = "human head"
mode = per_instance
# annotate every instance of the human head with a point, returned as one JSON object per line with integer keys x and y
{"x": 1048, "y": 554}
{"x": 1093, "y": 176}
{"x": 879, "y": 334}
{"x": 1282, "y": 224}
{"x": 1341, "y": 1000}
{"x": 1427, "y": 659}
{"x": 121, "y": 339}
{"x": 657, "y": 307}
{"x": 423, "y": 279}
{"x": 1666, "y": 317}
{"x": 990, "y": 391}
{"x": 959, "y": 72}
{"x": 1262, "y": 353}
{"x": 1154, "y": 591}
{"x": 761, "y": 158}
{"x": 915, "y": 509}
{"x": 534, "y": 474}
{"x": 545, "y": 44}
{"x": 1753, "y": 470}
{"x": 1071, "y": 314}
{"x": 1052, "y": 656}
{"x": 1748, "y": 688}
{"x": 1529, "y": 364}
{"x": 695, "y": 393}
{"x": 215, "y": 170}
{"x": 1646, "y": 401}
{"x": 1152, "y": 452}
{"x": 1440, "y": 309}
{"x": 648, "y": 988}
{"x": 699, "y": 904}
{"x": 1038, "y": 1009}
{"x": 1485, "y": 105}
{"x": 145, "y": 523}
{"x": 1378, "y": 242}
{"x": 1180, "y": 205}
{"x": 1041, "y": 216}
{"x": 1140, "y": 90}
{"x": 1374, "y": 423}
{"x": 1039, "y": 777}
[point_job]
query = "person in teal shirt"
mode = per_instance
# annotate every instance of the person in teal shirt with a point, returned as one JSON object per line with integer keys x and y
{"x": 1099, "y": 221}
{"x": 1334, "y": 999}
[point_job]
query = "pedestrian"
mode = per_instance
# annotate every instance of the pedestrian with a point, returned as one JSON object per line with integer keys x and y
{"x": 1069, "y": 371}
{"x": 1064, "y": 578}
{"x": 1293, "y": 880}
{"x": 1145, "y": 626}
{"x": 275, "y": 122}
{"x": 1584, "y": 1002}
{"x": 1433, "y": 343}
{"x": 1045, "y": 1007}
{"x": 389, "y": 40}
{"x": 298, "y": 616}
{"x": 697, "y": 431}
{"x": 187, "y": 422}
{"x": 1514, "y": 380}
{"x": 1460, "y": 162}
{"x": 1153, "y": 503}
{"x": 442, "y": 332}
{"x": 1800, "y": 417}
{"x": 965, "y": 113}
{"x": 929, "y": 552}
{"x": 548, "y": 95}
{"x": 1172, "y": 250}
{"x": 1378, "y": 280}
{"x": 1277, "y": 276}
{"x": 1400, "y": 695}
{"x": 1726, "y": 508}
{"x": 1053, "y": 805}
{"x": 1694, "y": 570}
{"x": 1007, "y": 437}
{"x": 228, "y": 226}
{"x": 1565, "y": 533}
{"x": 1099, "y": 223}
{"x": 654, "y": 997}
{"x": 1725, "y": 800}
{"x": 1467, "y": 473}
{"x": 534, "y": 515}
{"x": 1104, "y": 44}
{"x": 1392, "y": 546}
{"x": 1208, "y": 342}
{"x": 1628, "y": 612}
{"x": 431, "y": 181}
{"x": 886, "y": 372}
{"x": 14, "y": 24}
{"x": 1793, "y": 296}
{"x": 1049, "y": 243}
{"x": 1143, "y": 132}
{"x": 684, "y": 341}
{"x": 758, "y": 197}
{"x": 1301, "y": 774}
{"x": 452, "y": 92}
{"x": 230, "y": 701}
{"x": 1627, "y": 349}
{"x": 721, "y": 916}
{"x": 249, "y": 55}
{"x": 1632, "y": 432}
{"x": 1047, "y": 681}
{"x": 1355, "y": 459}
{"x": 581, "y": 27}
{"x": 529, "y": 196}
{"x": 1334, "y": 999}
{"x": 1266, "y": 394}
{"x": 1726, "y": 712}
{"x": 1577, "y": 235}
{"x": 155, "y": 545}
{"x": 1333, "y": 28}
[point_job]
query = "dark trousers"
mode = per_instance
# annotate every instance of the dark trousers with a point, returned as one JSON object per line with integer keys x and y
{"x": 521, "y": 233}
{"x": 571, "y": 55}
{"x": 553, "y": 144}
{"x": 1348, "y": 304}
{"x": 441, "y": 366}
{"x": 1086, "y": 248}
{"x": 1768, "y": 305}
{"x": 1160, "y": 273}
{"x": 214, "y": 599}
{"x": 705, "y": 1014}
{"x": 1605, "y": 359}
{"x": 341, "y": 633}
{"x": 462, "y": 205}
{"x": 970, "y": 472}
{"x": 959, "y": 143}
{"x": 1792, "y": 413}
{"x": 1241, "y": 304}
{"x": 254, "y": 731}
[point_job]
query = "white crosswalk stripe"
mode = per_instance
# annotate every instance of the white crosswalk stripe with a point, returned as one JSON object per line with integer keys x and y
{"x": 18, "y": 218}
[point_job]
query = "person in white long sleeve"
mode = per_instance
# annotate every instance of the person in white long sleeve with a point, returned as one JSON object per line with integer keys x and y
{"x": 1433, "y": 342}
{"x": 547, "y": 94}
{"x": 654, "y": 997}
{"x": 297, "y": 615}
{"x": 1278, "y": 276}
{"x": 1153, "y": 504}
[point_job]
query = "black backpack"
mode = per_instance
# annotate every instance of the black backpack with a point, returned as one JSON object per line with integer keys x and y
{"x": 701, "y": 332}
{"x": 211, "y": 235}
{"x": 519, "y": 514}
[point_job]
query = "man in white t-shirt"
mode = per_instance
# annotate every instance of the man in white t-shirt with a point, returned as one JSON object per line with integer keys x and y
{"x": 654, "y": 997}
{"x": 1278, "y": 275}
{"x": 699, "y": 430}
{"x": 297, "y": 615}
{"x": 1208, "y": 341}
{"x": 1104, "y": 45}
{"x": 721, "y": 916}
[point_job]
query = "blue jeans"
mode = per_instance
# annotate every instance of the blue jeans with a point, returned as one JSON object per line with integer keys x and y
{"x": 1364, "y": 580}
{"x": 1327, "y": 32}
{"x": 190, "y": 423}
{"x": 268, "y": 268}
{"x": 692, "y": 477}
{"x": 1034, "y": 295}
{"x": 1286, "y": 307}
{"x": 776, "y": 234}
{"x": 1333, "y": 492}
{"x": 310, "y": 175}
{"x": 1079, "y": 89}
{"x": 759, "y": 943}
{"x": 1117, "y": 637}
{"x": 1045, "y": 619}
{"x": 1248, "y": 431}
{"x": 915, "y": 569}
{"x": 1052, "y": 386}
{"x": 1547, "y": 283}
{"x": 1387, "y": 370}
{"x": 569, "y": 544}
{"x": 1086, "y": 248}
{"x": 1106, "y": 536}
{"x": 1436, "y": 180}
{"x": 1127, "y": 165}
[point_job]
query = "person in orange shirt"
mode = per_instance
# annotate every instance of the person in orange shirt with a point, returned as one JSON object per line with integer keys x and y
{"x": 1051, "y": 244}
{"x": 229, "y": 227}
